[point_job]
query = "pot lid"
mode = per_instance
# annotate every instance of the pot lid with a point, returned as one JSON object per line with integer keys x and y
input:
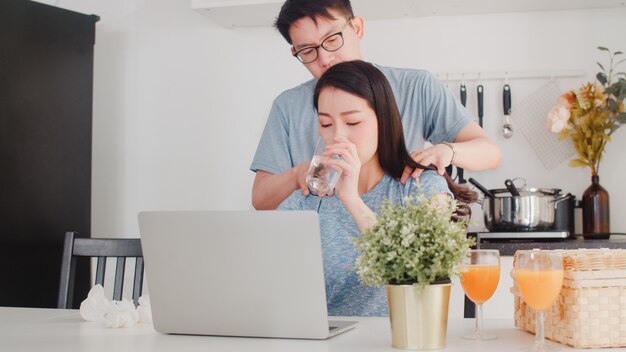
{"x": 499, "y": 192}
{"x": 523, "y": 190}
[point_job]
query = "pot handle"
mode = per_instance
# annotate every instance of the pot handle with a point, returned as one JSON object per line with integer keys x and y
{"x": 561, "y": 198}
{"x": 482, "y": 188}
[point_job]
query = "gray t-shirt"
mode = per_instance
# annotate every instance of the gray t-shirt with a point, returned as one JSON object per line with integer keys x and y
{"x": 428, "y": 111}
{"x": 345, "y": 296}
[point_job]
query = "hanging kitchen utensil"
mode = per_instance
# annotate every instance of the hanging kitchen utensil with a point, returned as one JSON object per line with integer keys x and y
{"x": 530, "y": 118}
{"x": 507, "y": 128}
{"x": 463, "y": 94}
{"x": 459, "y": 170}
{"x": 480, "y": 94}
{"x": 450, "y": 168}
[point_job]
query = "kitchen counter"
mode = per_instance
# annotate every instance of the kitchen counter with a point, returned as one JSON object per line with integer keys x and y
{"x": 52, "y": 330}
{"x": 508, "y": 248}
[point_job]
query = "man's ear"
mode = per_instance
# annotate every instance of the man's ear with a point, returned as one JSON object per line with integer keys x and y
{"x": 293, "y": 50}
{"x": 359, "y": 26}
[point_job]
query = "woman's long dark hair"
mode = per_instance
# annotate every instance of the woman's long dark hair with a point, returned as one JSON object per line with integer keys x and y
{"x": 363, "y": 80}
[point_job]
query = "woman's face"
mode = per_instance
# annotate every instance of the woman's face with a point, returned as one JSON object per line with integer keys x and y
{"x": 343, "y": 114}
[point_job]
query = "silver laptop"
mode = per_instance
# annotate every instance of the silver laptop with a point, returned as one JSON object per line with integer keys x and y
{"x": 237, "y": 273}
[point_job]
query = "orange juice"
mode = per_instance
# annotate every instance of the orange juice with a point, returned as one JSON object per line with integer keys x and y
{"x": 480, "y": 281}
{"x": 540, "y": 288}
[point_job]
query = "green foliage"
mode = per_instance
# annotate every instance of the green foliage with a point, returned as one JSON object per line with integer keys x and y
{"x": 605, "y": 77}
{"x": 415, "y": 244}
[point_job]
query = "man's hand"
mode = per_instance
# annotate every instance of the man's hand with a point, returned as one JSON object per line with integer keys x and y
{"x": 300, "y": 172}
{"x": 438, "y": 155}
{"x": 269, "y": 190}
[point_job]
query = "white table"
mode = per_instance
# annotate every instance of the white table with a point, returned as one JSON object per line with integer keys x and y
{"x": 35, "y": 329}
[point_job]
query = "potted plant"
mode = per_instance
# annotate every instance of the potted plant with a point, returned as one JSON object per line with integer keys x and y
{"x": 414, "y": 249}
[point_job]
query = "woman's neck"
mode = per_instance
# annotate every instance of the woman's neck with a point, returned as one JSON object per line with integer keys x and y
{"x": 370, "y": 175}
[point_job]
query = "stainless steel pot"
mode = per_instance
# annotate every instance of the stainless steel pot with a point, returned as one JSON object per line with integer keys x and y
{"x": 526, "y": 212}
{"x": 532, "y": 210}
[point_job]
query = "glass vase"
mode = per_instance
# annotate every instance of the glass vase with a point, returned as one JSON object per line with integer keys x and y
{"x": 595, "y": 204}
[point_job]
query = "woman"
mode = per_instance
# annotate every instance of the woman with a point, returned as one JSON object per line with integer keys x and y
{"x": 358, "y": 115}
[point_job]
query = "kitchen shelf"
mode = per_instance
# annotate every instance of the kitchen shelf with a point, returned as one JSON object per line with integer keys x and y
{"x": 261, "y": 13}
{"x": 506, "y": 75}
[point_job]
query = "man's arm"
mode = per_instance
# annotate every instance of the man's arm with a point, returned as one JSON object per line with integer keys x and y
{"x": 269, "y": 190}
{"x": 474, "y": 149}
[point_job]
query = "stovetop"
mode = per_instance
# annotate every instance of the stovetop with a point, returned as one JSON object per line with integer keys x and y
{"x": 524, "y": 235}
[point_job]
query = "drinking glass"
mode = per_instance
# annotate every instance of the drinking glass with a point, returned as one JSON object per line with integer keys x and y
{"x": 539, "y": 277}
{"x": 480, "y": 273}
{"x": 321, "y": 178}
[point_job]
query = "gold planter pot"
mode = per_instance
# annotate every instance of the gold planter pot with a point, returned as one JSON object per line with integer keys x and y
{"x": 418, "y": 320}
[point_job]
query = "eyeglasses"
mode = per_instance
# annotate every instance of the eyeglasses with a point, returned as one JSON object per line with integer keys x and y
{"x": 331, "y": 43}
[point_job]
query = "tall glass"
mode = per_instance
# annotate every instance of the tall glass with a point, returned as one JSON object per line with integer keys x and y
{"x": 539, "y": 277}
{"x": 321, "y": 178}
{"x": 480, "y": 274}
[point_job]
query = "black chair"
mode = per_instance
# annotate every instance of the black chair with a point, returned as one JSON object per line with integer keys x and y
{"x": 101, "y": 248}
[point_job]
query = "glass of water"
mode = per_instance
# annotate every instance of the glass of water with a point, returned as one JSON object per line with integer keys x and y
{"x": 321, "y": 178}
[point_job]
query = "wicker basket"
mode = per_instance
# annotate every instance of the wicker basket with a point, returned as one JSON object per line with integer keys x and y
{"x": 591, "y": 309}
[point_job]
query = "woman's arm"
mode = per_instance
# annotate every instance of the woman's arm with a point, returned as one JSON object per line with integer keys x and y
{"x": 361, "y": 213}
{"x": 348, "y": 185}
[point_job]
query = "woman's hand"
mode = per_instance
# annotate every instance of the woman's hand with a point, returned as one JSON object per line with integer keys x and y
{"x": 350, "y": 165}
{"x": 348, "y": 185}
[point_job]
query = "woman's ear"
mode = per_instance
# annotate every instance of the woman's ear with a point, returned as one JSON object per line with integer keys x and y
{"x": 359, "y": 26}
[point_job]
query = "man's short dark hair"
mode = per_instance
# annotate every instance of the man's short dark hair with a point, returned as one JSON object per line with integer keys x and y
{"x": 293, "y": 10}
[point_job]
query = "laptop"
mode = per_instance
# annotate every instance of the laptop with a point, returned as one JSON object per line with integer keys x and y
{"x": 237, "y": 273}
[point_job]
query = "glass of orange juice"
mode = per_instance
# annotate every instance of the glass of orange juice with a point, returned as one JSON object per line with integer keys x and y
{"x": 539, "y": 277}
{"x": 480, "y": 273}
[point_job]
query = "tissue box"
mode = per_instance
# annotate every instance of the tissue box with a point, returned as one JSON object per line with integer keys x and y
{"x": 591, "y": 309}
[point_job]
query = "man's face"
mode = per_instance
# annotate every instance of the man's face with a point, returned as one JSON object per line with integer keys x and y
{"x": 305, "y": 33}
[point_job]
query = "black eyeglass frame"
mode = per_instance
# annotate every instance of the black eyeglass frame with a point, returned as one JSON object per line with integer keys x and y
{"x": 321, "y": 45}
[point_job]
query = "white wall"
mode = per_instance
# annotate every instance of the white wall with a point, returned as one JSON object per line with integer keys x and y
{"x": 180, "y": 102}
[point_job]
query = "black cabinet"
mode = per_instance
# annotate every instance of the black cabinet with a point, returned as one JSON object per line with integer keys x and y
{"x": 46, "y": 87}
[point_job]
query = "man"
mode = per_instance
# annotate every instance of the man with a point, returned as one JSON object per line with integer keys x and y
{"x": 326, "y": 32}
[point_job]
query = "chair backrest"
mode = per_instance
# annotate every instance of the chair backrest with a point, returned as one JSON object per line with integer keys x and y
{"x": 101, "y": 248}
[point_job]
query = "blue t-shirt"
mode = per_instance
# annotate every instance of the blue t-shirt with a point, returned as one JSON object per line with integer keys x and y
{"x": 345, "y": 296}
{"x": 427, "y": 109}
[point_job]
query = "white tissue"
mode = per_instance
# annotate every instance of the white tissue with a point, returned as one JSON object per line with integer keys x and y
{"x": 145, "y": 312}
{"x": 115, "y": 314}
{"x": 95, "y": 306}
{"x": 123, "y": 315}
